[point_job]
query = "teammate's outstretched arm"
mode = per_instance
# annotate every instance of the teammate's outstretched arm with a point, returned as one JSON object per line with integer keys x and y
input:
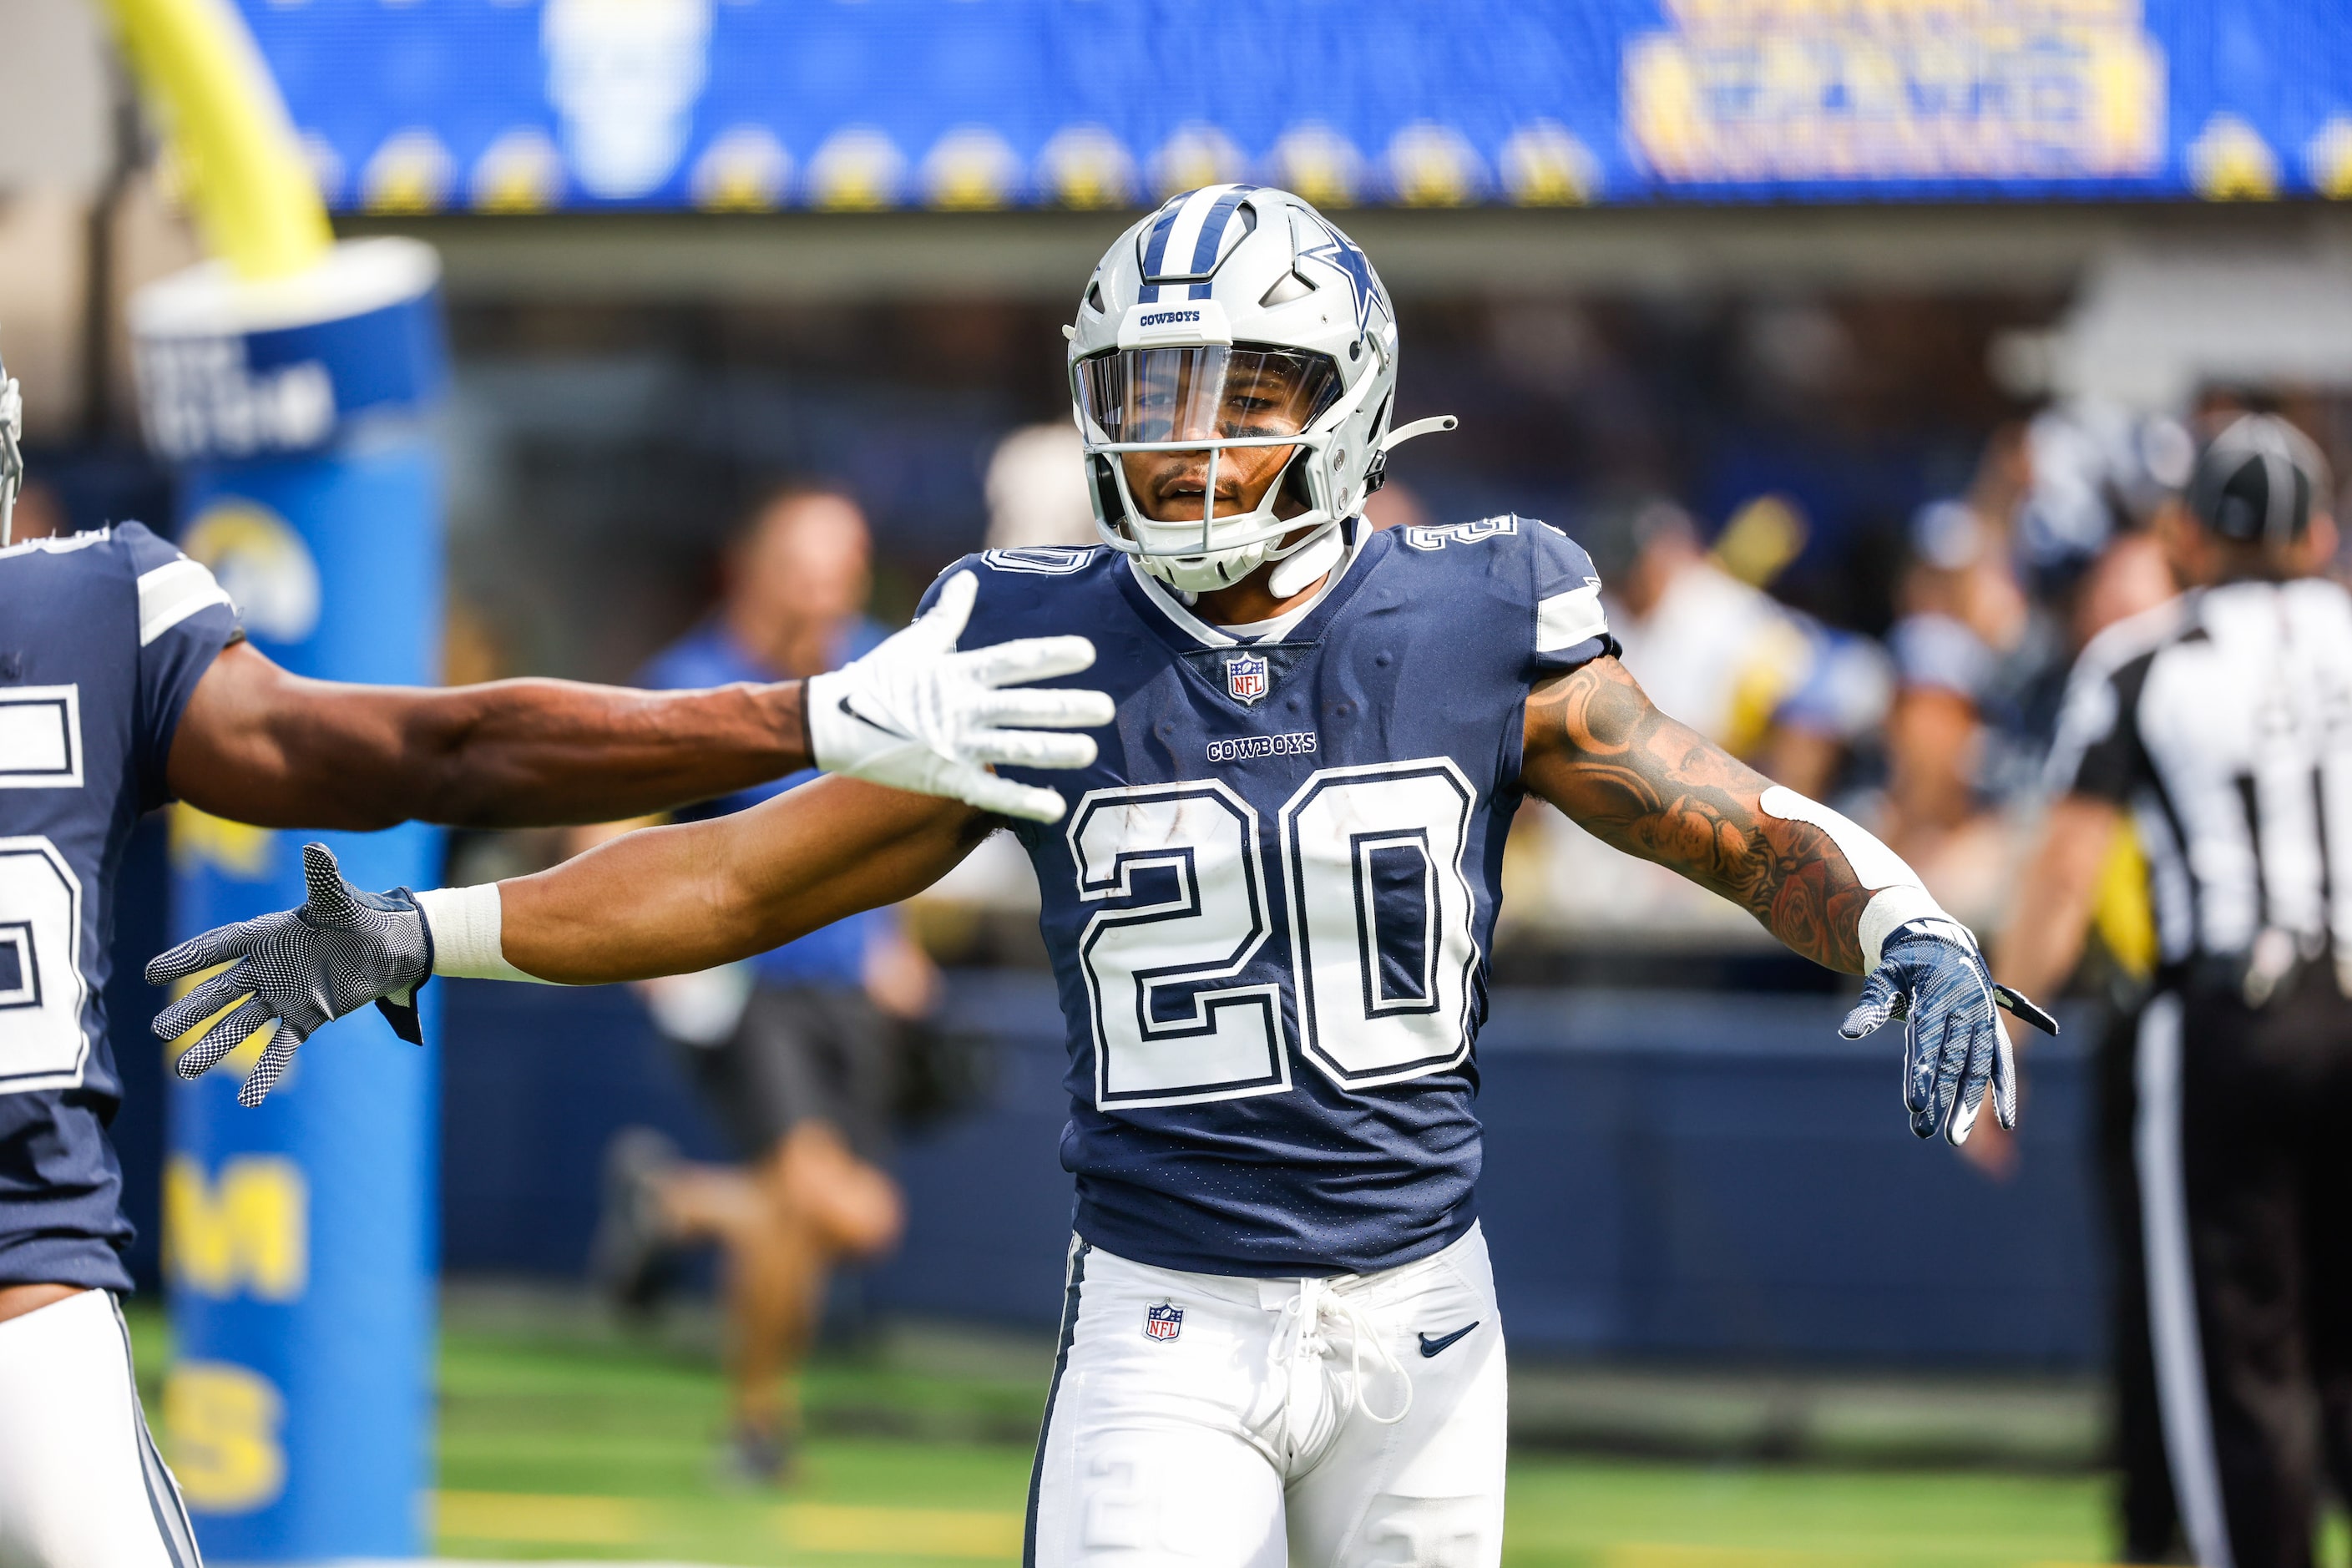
{"x": 665, "y": 900}
{"x": 1597, "y": 747}
{"x": 261, "y": 745}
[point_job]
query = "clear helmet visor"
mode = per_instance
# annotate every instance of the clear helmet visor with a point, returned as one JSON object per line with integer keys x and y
{"x": 1151, "y": 396}
{"x": 1204, "y": 458}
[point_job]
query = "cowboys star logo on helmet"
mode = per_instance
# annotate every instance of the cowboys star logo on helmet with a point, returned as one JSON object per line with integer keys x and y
{"x": 1237, "y": 317}
{"x": 1341, "y": 254}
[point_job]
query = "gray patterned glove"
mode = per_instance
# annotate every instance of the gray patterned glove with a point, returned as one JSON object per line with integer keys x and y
{"x": 1931, "y": 974}
{"x": 341, "y": 950}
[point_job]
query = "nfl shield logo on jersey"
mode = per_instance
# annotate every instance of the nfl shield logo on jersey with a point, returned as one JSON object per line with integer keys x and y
{"x": 1246, "y": 676}
{"x": 1163, "y": 1321}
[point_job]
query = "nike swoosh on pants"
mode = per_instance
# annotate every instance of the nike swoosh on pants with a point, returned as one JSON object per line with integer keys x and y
{"x": 1430, "y": 1347}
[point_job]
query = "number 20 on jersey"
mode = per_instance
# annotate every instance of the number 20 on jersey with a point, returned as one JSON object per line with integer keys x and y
{"x": 1188, "y": 1005}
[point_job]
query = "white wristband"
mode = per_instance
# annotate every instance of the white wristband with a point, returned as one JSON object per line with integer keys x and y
{"x": 465, "y": 925}
{"x": 1891, "y": 908}
{"x": 1900, "y": 897}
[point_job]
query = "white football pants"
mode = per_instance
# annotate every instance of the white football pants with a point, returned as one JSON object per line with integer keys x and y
{"x": 81, "y": 1485}
{"x": 1215, "y": 1422}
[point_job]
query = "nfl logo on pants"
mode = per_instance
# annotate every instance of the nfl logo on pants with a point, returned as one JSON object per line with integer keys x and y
{"x": 1163, "y": 1321}
{"x": 1246, "y": 677}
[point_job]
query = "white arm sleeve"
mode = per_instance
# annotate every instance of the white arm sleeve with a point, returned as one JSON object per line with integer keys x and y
{"x": 1897, "y": 898}
{"x": 465, "y": 925}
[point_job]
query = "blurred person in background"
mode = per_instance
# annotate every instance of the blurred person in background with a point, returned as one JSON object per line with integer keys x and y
{"x": 2215, "y": 720}
{"x": 2005, "y": 584}
{"x": 1964, "y": 645}
{"x": 1767, "y": 683}
{"x": 1037, "y": 489}
{"x": 793, "y": 1052}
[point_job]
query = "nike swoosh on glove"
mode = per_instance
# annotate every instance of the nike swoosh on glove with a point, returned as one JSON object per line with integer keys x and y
{"x": 1931, "y": 975}
{"x": 916, "y": 715}
{"x": 341, "y": 950}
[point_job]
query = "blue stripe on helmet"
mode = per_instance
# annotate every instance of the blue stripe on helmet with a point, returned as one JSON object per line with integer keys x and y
{"x": 1206, "y": 249}
{"x": 1155, "y": 245}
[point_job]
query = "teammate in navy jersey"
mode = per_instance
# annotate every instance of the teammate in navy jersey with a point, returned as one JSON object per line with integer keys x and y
{"x": 125, "y": 683}
{"x": 1268, "y": 908}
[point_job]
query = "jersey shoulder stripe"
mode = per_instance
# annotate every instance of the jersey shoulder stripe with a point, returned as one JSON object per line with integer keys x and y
{"x": 173, "y": 592}
{"x": 1565, "y": 619}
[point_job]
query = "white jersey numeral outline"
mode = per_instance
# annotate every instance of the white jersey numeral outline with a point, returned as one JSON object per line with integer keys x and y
{"x": 1042, "y": 560}
{"x": 1384, "y": 984}
{"x": 1229, "y": 1041}
{"x": 1361, "y": 1028}
{"x": 43, "y": 1044}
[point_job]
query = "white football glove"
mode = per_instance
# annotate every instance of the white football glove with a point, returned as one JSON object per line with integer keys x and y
{"x": 914, "y": 714}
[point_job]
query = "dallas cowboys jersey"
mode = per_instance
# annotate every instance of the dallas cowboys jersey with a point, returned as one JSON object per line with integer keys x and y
{"x": 103, "y": 638}
{"x": 1269, "y": 904}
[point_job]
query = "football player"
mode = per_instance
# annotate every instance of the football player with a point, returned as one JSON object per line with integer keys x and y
{"x": 1268, "y": 910}
{"x": 124, "y": 682}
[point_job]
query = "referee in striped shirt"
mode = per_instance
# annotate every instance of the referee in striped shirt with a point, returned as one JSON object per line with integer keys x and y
{"x": 2220, "y": 724}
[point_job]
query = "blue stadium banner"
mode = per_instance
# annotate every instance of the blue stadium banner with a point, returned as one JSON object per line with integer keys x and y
{"x": 298, "y": 1238}
{"x": 522, "y": 106}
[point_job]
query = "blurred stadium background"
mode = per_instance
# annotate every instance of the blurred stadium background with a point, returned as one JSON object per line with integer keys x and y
{"x": 1856, "y": 340}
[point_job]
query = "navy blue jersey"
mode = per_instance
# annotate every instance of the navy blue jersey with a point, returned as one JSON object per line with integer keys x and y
{"x": 1269, "y": 904}
{"x": 102, "y": 637}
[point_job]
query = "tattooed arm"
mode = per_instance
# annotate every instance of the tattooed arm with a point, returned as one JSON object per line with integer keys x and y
{"x": 1598, "y": 749}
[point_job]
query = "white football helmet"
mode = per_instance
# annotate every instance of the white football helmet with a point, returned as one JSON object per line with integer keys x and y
{"x": 1236, "y": 316}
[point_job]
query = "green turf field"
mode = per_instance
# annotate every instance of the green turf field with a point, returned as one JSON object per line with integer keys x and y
{"x": 563, "y": 1439}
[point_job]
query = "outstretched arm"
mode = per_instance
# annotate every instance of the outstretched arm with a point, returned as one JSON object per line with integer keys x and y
{"x": 663, "y": 901}
{"x": 670, "y": 900}
{"x": 1597, "y": 747}
{"x": 260, "y": 744}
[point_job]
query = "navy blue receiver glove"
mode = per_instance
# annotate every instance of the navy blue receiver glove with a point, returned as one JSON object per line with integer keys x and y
{"x": 1931, "y": 975}
{"x": 341, "y": 950}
